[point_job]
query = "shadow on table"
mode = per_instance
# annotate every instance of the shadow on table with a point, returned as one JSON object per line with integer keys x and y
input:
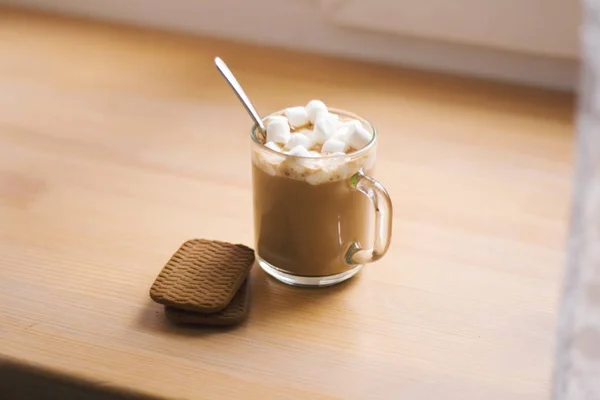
{"x": 152, "y": 318}
{"x": 24, "y": 382}
{"x": 270, "y": 302}
{"x": 273, "y": 301}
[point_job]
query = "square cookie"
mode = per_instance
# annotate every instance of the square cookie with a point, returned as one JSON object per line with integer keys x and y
{"x": 203, "y": 276}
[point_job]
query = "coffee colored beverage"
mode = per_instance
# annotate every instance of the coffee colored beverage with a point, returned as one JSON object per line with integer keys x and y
{"x": 307, "y": 229}
{"x": 316, "y": 210}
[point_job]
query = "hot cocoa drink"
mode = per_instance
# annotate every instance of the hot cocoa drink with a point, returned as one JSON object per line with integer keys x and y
{"x": 309, "y": 216}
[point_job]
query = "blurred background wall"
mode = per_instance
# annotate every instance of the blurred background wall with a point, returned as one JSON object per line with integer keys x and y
{"x": 533, "y": 42}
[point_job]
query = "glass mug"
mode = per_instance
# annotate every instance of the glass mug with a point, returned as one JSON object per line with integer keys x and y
{"x": 318, "y": 220}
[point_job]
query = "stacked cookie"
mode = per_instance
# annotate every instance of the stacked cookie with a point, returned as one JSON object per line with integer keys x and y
{"x": 205, "y": 282}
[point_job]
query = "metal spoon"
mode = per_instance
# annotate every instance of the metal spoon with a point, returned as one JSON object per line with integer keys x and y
{"x": 237, "y": 88}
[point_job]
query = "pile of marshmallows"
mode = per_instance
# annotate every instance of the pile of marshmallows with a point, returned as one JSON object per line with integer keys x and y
{"x": 329, "y": 135}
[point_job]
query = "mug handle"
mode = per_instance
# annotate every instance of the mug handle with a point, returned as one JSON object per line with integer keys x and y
{"x": 383, "y": 220}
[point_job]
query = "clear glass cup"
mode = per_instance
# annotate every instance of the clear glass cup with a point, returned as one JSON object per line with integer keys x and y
{"x": 318, "y": 220}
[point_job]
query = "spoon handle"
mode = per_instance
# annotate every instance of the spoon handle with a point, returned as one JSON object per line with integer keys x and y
{"x": 237, "y": 88}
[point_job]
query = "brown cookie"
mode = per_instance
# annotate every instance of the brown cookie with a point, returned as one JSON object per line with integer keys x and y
{"x": 203, "y": 275}
{"x": 234, "y": 313}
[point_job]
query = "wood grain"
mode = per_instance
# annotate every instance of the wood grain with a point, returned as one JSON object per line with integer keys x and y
{"x": 116, "y": 145}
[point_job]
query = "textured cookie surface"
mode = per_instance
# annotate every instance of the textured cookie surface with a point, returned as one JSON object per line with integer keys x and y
{"x": 203, "y": 275}
{"x": 234, "y": 313}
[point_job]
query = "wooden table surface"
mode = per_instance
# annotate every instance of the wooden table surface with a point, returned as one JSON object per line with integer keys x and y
{"x": 117, "y": 144}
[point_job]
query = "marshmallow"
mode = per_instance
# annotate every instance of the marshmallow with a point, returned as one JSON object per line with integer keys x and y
{"x": 358, "y": 136}
{"x": 299, "y": 139}
{"x": 312, "y": 136}
{"x": 324, "y": 128}
{"x": 335, "y": 118}
{"x": 334, "y": 146}
{"x": 314, "y": 108}
{"x": 346, "y": 170}
{"x": 318, "y": 177}
{"x": 278, "y": 130}
{"x": 269, "y": 161}
{"x": 273, "y": 146}
{"x": 297, "y": 116}
{"x": 270, "y": 169}
{"x": 299, "y": 151}
{"x": 277, "y": 118}
{"x": 313, "y": 163}
{"x": 342, "y": 133}
{"x": 342, "y": 122}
